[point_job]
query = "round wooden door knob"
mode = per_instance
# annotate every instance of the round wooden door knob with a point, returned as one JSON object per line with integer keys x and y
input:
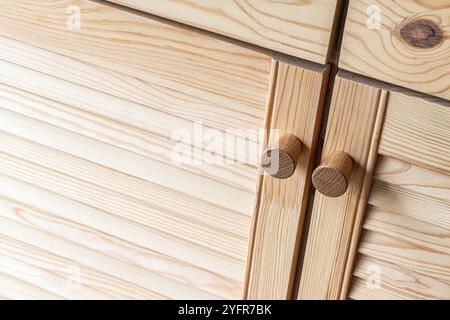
{"x": 331, "y": 178}
{"x": 280, "y": 161}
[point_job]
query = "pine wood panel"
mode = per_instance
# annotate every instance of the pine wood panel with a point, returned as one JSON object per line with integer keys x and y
{"x": 297, "y": 108}
{"x": 222, "y": 269}
{"x": 171, "y": 69}
{"x": 355, "y": 114}
{"x": 413, "y": 178}
{"x": 360, "y": 291}
{"x": 121, "y": 239}
{"x": 422, "y": 207}
{"x": 87, "y": 118}
{"x": 15, "y": 289}
{"x": 183, "y": 101}
{"x": 417, "y": 131}
{"x": 130, "y": 163}
{"x": 407, "y": 228}
{"x": 300, "y": 28}
{"x": 126, "y": 240}
{"x": 406, "y": 254}
{"x": 60, "y": 276}
{"x": 402, "y": 42}
{"x": 109, "y": 126}
{"x": 407, "y": 234}
{"x": 99, "y": 260}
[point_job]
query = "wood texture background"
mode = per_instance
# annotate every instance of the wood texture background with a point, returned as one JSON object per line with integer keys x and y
{"x": 402, "y": 251}
{"x": 355, "y": 113}
{"x": 87, "y": 182}
{"x": 406, "y": 232}
{"x": 301, "y": 28}
{"x": 383, "y": 54}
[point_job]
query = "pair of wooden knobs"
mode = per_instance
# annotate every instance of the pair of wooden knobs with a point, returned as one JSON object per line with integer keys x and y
{"x": 331, "y": 178}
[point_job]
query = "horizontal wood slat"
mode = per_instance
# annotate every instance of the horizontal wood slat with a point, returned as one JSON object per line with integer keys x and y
{"x": 417, "y": 131}
{"x": 98, "y": 260}
{"x": 413, "y": 178}
{"x": 141, "y": 48}
{"x": 402, "y": 281}
{"x": 360, "y": 291}
{"x": 300, "y": 28}
{"x": 58, "y": 275}
{"x": 396, "y": 199}
{"x": 406, "y": 254}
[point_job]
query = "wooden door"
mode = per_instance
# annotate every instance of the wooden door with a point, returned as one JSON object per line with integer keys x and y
{"x": 388, "y": 235}
{"x": 92, "y": 203}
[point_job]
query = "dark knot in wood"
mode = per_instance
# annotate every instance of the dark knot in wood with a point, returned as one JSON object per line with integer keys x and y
{"x": 421, "y": 33}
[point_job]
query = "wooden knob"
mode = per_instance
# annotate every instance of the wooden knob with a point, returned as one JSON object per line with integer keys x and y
{"x": 280, "y": 161}
{"x": 332, "y": 176}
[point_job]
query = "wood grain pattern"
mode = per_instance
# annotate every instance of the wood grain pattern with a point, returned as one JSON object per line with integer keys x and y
{"x": 159, "y": 92}
{"x": 154, "y": 141}
{"x": 298, "y": 99}
{"x": 59, "y": 276}
{"x": 398, "y": 42}
{"x": 407, "y": 234}
{"x": 360, "y": 291}
{"x": 300, "y": 28}
{"x": 418, "y": 132}
{"x": 170, "y": 210}
{"x": 280, "y": 160}
{"x": 87, "y": 118}
{"x": 98, "y": 260}
{"x": 406, "y": 254}
{"x": 183, "y": 73}
{"x": 413, "y": 178}
{"x": 331, "y": 177}
{"x": 398, "y": 199}
{"x": 406, "y": 283}
{"x": 351, "y": 129}
{"x": 15, "y": 289}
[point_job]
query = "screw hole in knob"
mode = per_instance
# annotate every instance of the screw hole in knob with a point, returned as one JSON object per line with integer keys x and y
{"x": 331, "y": 178}
{"x": 280, "y": 160}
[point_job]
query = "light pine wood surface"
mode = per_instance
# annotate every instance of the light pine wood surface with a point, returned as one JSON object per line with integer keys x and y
{"x": 87, "y": 180}
{"x": 88, "y": 187}
{"x": 405, "y": 247}
{"x": 390, "y": 239}
{"x": 417, "y": 131}
{"x": 278, "y": 224}
{"x": 401, "y": 42}
{"x": 354, "y": 121}
{"x": 301, "y": 28}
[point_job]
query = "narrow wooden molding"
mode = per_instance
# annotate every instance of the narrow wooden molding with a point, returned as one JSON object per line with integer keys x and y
{"x": 297, "y": 109}
{"x": 355, "y": 110}
{"x": 361, "y": 209}
{"x": 268, "y": 119}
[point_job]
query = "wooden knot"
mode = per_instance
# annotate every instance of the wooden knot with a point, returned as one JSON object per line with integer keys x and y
{"x": 280, "y": 161}
{"x": 421, "y": 33}
{"x": 331, "y": 178}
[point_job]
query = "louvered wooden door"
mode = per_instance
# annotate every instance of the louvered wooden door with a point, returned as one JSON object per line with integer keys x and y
{"x": 388, "y": 235}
